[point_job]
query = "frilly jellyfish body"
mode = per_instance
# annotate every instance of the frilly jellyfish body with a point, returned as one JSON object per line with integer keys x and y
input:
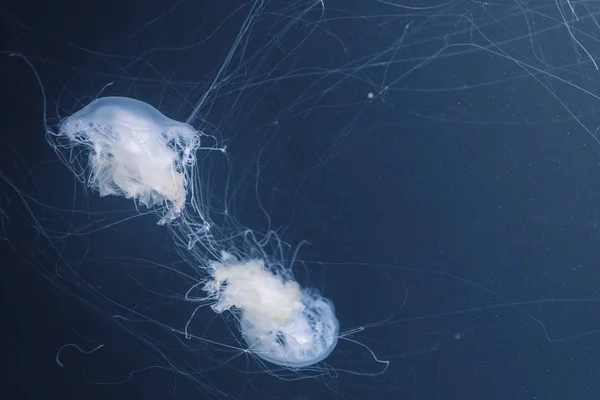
{"x": 135, "y": 152}
{"x": 280, "y": 322}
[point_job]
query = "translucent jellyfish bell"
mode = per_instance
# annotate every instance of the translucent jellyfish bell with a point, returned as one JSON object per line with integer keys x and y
{"x": 280, "y": 322}
{"x": 135, "y": 151}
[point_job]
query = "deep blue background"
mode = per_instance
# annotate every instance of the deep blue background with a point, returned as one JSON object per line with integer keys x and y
{"x": 455, "y": 214}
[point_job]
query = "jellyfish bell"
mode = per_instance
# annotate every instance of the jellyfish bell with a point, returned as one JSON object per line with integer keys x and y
{"x": 134, "y": 151}
{"x": 280, "y": 322}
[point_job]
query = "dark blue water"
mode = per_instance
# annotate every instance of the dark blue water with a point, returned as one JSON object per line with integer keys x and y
{"x": 439, "y": 158}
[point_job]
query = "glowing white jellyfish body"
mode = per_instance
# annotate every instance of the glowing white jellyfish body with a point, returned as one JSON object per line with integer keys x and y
{"x": 135, "y": 151}
{"x": 280, "y": 322}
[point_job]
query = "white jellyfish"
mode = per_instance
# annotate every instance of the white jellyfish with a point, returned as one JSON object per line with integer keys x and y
{"x": 135, "y": 152}
{"x": 280, "y": 322}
